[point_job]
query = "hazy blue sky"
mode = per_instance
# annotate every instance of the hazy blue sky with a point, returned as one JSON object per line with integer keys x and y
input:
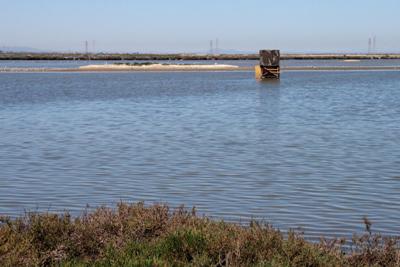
{"x": 185, "y": 25}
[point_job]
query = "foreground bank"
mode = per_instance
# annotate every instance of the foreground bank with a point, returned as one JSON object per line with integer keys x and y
{"x": 136, "y": 235}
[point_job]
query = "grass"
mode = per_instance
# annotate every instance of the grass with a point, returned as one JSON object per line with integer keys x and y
{"x": 139, "y": 235}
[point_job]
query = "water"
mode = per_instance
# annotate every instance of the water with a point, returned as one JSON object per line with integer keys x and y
{"x": 317, "y": 150}
{"x": 241, "y": 63}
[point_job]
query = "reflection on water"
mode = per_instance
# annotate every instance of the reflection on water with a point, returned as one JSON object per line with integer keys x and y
{"x": 317, "y": 150}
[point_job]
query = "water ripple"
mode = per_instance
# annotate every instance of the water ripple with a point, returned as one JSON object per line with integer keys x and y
{"x": 316, "y": 150}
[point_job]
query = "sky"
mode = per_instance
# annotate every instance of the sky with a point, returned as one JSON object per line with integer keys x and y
{"x": 188, "y": 26}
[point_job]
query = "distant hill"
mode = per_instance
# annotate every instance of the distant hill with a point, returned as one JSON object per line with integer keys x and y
{"x": 19, "y": 49}
{"x": 229, "y": 52}
{"x": 234, "y": 51}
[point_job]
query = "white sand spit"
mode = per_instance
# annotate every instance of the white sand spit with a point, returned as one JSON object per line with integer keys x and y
{"x": 158, "y": 67}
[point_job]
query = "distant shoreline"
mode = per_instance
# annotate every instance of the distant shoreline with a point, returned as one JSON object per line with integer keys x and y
{"x": 120, "y": 56}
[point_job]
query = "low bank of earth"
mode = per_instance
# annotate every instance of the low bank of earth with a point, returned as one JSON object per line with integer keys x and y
{"x": 157, "y": 66}
{"x": 139, "y": 235}
{"x": 164, "y": 67}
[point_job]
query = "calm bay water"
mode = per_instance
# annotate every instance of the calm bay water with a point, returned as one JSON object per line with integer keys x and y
{"x": 317, "y": 150}
{"x": 243, "y": 63}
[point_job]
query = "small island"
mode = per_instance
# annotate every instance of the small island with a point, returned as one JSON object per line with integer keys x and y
{"x": 151, "y": 66}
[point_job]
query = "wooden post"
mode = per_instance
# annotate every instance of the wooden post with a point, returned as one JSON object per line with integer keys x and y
{"x": 269, "y": 67}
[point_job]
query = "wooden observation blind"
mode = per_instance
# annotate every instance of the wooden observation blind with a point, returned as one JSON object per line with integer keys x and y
{"x": 269, "y": 67}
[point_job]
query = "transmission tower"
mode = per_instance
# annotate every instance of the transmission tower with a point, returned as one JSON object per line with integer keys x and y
{"x": 369, "y": 45}
{"x": 374, "y": 44}
{"x": 86, "y": 47}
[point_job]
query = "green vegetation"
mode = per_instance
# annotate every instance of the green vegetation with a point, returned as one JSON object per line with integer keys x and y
{"x": 136, "y": 235}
